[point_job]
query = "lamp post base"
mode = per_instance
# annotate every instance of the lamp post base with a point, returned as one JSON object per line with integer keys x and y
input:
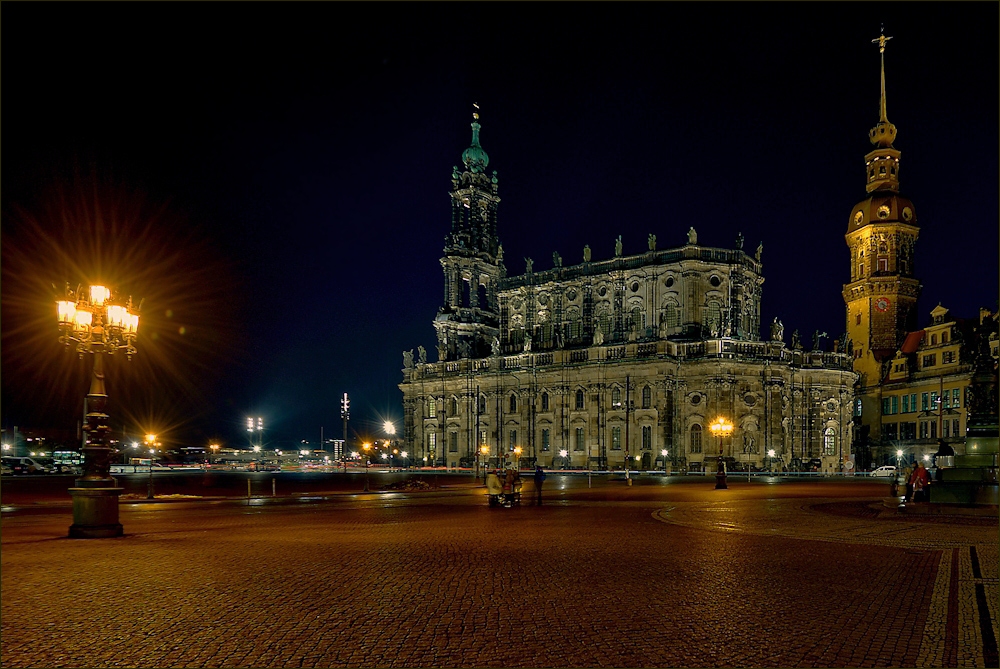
{"x": 720, "y": 477}
{"x": 95, "y": 510}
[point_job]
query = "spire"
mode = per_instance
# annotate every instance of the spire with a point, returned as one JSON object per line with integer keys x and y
{"x": 474, "y": 157}
{"x": 884, "y": 133}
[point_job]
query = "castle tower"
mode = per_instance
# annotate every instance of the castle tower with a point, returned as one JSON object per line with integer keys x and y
{"x": 467, "y": 321}
{"x": 881, "y": 234}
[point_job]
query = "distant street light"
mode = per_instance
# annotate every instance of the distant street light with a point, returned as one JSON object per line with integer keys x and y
{"x": 99, "y": 327}
{"x": 366, "y": 448}
{"x": 150, "y": 442}
{"x": 258, "y": 428}
{"x": 517, "y": 458}
{"x": 770, "y": 459}
{"x": 664, "y": 454}
{"x": 215, "y": 449}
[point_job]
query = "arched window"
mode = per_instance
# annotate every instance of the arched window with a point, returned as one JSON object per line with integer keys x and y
{"x": 647, "y": 397}
{"x": 944, "y": 337}
{"x": 638, "y": 319}
{"x": 933, "y": 339}
{"x": 713, "y": 315}
{"x": 431, "y": 408}
{"x": 672, "y": 316}
{"x": 454, "y": 406}
{"x": 696, "y": 438}
{"x": 482, "y": 404}
{"x": 545, "y": 401}
{"x": 579, "y": 400}
{"x": 513, "y": 403}
{"x": 616, "y": 397}
{"x": 829, "y": 441}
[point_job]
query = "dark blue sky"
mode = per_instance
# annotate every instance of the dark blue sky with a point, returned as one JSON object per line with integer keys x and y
{"x": 273, "y": 177}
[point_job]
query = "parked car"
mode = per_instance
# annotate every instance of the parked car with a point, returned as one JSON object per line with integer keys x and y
{"x": 25, "y": 465}
{"x": 885, "y": 470}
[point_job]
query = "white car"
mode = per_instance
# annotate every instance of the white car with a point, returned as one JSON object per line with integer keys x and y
{"x": 884, "y": 470}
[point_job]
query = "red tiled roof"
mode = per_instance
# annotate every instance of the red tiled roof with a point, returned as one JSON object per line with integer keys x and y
{"x": 912, "y": 341}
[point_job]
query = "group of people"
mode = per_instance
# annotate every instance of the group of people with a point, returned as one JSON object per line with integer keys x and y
{"x": 509, "y": 485}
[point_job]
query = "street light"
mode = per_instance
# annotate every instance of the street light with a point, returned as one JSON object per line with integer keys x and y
{"x": 150, "y": 442}
{"x": 721, "y": 428}
{"x": 517, "y": 456}
{"x": 366, "y": 448}
{"x": 97, "y": 326}
{"x": 770, "y": 459}
{"x": 562, "y": 454}
{"x": 484, "y": 452}
{"x": 664, "y": 454}
{"x": 215, "y": 449}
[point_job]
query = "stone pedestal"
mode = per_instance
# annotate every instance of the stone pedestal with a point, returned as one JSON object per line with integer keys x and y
{"x": 95, "y": 510}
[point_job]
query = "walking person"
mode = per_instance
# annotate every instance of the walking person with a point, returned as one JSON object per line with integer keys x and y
{"x": 539, "y": 478}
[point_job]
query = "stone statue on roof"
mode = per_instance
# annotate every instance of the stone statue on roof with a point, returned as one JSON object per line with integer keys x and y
{"x": 618, "y": 246}
{"x": 651, "y": 241}
{"x": 586, "y": 253}
{"x": 408, "y": 359}
{"x": 556, "y": 259}
{"x": 422, "y": 355}
{"x": 692, "y": 236}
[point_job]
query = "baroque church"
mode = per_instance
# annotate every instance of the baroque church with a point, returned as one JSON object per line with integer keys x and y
{"x": 611, "y": 362}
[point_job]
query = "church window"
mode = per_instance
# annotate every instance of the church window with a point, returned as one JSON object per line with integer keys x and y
{"x": 830, "y": 441}
{"x": 545, "y": 401}
{"x": 647, "y": 397}
{"x": 695, "y": 438}
{"x": 647, "y": 437}
{"x": 482, "y": 404}
{"x": 453, "y": 442}
{"x": 546, "y": 439}
{"x": 616, "y": 397}
{"x": 861, "y": 269}
{"x": 454, "y": 406}
{"x": 715, "y": 281}
{"x": 669, "y": 281}
{"x": 513, "y": 403}
{"x": 432, "y": 440}
{"x": 616, "y": 438}
{"x": 431, "y": 408}
{"x": 638, "y": 319}
{"x": 578, "y": 445}
{"x": 513, "y": 439}
{"x": 673, "y": 318}
{"x": 579, "y": 400}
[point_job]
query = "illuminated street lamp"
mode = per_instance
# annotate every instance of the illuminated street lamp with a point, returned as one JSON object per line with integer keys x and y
{"x": 517, "y": 456}
{"x": 96, "y": 325}
{"x": 721, "y": 428}
{"x": 215, "y": 449}
{"x": 562, "y": 454}
{"x": 366, "y": 447}
{"x": 664, "y": 454}
{"x": 484, "y": 453}
{"x": 770, "y": 459}
{"x": 150, "y": 442}
{"x": 257, "y": 427}
{"x": 404, "y": 455}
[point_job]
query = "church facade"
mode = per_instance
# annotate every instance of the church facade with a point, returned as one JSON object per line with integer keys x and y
{"x": 615, "y": 362}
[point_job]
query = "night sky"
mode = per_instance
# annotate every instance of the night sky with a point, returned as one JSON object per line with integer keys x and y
{"x": 273, "y": 178}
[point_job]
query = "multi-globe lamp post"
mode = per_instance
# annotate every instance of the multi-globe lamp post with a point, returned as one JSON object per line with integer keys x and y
{"x": 98, "y": 326}
{"x": 150, "y": 443}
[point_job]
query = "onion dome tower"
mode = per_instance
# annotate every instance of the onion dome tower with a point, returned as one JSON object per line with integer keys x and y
{"x": 881, "y": 234}
{"x": 473, "y": 259}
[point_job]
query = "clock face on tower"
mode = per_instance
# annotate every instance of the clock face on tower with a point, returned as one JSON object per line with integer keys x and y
{"x": 882, "y": 304}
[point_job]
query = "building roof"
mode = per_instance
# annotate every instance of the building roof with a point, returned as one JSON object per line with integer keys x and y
{"x": 912, "y": 341}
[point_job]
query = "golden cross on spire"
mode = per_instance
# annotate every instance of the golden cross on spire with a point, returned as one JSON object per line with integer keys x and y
{"x": 475, "y": 114}
{"x": 881, "y": 40}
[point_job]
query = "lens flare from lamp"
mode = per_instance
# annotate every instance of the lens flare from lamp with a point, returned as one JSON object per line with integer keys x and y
{"x": 99, "y": 295}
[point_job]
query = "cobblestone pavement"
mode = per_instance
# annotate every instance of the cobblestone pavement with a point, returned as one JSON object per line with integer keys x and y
{"x": 761, "y": 579}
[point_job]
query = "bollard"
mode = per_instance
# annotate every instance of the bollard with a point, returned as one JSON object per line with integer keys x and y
{"x": 248, "y": 492}
{"x": 274, "y": 488}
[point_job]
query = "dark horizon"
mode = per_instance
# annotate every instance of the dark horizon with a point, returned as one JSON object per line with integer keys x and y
{"x": 278, "y": 194}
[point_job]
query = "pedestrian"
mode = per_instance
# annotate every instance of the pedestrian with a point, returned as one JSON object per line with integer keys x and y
{"x": 918, "y": 482}
{"x": 539, "y": 478}
{"x": 908, "y": 479}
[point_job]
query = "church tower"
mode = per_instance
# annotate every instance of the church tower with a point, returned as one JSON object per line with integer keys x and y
{"x": 881, "y": 234}
{"x": 467, "y": 323}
